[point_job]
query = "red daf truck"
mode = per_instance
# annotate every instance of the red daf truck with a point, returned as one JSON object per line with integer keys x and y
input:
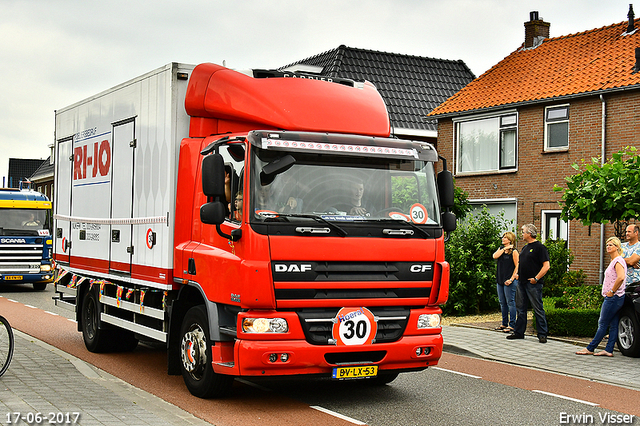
{"x": 260, "y": 224}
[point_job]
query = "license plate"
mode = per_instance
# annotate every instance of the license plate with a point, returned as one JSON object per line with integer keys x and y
{"x": 355, "y": 372}
{"x": 13, "y": 278}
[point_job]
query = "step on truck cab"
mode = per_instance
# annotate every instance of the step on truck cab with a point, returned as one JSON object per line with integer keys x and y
{"x": 25, "y": 239}
{"x": 260, "y": 224}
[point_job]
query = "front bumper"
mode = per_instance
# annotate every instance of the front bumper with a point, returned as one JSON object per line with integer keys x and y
{"x": 254, "y": 357}
{"x": 27, "y": 278}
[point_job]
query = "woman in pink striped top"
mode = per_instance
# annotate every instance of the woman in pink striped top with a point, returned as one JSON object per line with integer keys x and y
{"x": 613, "y": 287}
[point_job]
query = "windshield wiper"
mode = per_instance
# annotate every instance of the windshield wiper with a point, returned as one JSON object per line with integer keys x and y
{"x": 320, "y": 219}
{"x": 404, "y": 222}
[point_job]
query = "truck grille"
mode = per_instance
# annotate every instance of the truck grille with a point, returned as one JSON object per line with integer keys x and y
{"x": 317, "y": 324}
{"x": 301, "y": 284}
{"x": 20, "y": 258}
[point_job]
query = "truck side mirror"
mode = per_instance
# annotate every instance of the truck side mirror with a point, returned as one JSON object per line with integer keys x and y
{"x": 212, "y": 213}
{"x": 274, "y": 168}
{"x": 445, "y": 189}
{"x": 449, "y": 222}
{"x": 213, "y": 176}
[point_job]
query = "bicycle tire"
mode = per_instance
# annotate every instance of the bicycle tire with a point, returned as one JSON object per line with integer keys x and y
{"x": 6, "y": 345}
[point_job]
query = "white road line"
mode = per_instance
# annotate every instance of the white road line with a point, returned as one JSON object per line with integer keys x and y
{"x": 593, "y": 404}
{"x": 338, "y": 415}
{"x": 52, "y": 313}
{"x": 456, "y": 372}
{"x": 30, "y": 306}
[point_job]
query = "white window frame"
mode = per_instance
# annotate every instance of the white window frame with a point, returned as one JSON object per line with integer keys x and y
{"x": 551, "y": 120}
{"x": 507, "y": 122}
{"x": 561, "y": 224}
{"x": 511, "y": 203}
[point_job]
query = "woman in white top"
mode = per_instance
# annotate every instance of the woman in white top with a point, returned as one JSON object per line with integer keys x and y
{"x": 613, "y": 287}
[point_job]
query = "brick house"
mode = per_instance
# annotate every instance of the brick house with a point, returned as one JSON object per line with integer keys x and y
{"x": 514, "y": 132}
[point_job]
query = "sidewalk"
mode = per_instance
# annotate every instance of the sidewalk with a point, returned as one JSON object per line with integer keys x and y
{"x": 557, "y": 355}
{"x": 43, "y": 379}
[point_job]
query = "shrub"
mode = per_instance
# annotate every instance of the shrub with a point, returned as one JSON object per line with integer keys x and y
{"x": 472, "y": 287}
{"x": 560, "y": 258}
{"x": 574, "y": 278}
{"x": 585, "y": 297}
{"x": 575, "y": 313}
{"x": 573, "y": 322}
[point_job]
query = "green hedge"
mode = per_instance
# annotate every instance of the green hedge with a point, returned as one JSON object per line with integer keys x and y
{"x": 578, "y": 322}
{"x": 573, "y": 322}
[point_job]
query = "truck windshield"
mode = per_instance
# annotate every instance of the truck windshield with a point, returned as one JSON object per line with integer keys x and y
{"x": 344, "y": 188}
{"x": 22, "y": 222}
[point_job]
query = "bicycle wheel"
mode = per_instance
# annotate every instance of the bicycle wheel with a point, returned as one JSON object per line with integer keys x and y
{"x": 6, "y": 345}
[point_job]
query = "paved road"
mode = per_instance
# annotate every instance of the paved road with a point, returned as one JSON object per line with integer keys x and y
{"x": 449, "y": 394}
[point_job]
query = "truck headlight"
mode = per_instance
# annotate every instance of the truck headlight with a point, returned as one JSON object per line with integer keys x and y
{"x": 429, "y": 321}
{"x": 265, "y": 325}
{"x": 45, "y": 268}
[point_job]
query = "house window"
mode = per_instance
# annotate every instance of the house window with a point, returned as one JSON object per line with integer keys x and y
{"x": 488, "y": 144}
{"x": 505, "y": 209}
{"x": 553, "y": 227}
{"x": 556, "y": 125}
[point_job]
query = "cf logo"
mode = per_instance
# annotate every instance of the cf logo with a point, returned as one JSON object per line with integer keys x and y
{"x": 419, "y": 268}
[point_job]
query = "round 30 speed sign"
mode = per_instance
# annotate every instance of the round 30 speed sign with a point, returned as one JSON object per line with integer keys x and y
{"x": 418, "y": 213}
{"x": 354, "y": 326}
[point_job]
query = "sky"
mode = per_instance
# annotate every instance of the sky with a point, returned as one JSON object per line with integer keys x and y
{"x": 54, "y": 53}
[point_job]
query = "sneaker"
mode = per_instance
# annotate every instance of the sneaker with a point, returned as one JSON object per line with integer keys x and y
{"x": 542, "y": 339}
{"x": 514, "y": 336}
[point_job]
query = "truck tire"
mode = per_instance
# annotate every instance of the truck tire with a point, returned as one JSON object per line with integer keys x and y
{"x": 195, "y": 357}
{"x": 95, "y": 339}
{"x": 39, "y": 286}
{"x": 629, "y": 333}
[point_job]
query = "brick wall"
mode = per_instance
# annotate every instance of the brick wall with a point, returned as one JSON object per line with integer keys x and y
{"x": 532, "y": 183}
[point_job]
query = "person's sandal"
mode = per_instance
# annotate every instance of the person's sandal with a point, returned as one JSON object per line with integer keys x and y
{"x": 501, "y": 327}
{"x": 508, "y": 330}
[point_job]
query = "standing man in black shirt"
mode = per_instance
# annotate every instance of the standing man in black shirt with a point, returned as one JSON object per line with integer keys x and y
{"x": 534, "y": 264}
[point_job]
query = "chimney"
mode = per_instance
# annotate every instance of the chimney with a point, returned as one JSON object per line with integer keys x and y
{"x": 631, "y": 16}
{"x": 535, "y": 31}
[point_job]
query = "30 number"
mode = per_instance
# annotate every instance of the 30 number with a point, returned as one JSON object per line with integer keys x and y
{"x": 353, "y": 329}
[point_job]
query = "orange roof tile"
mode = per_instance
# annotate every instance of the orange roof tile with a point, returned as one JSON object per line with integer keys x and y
{"x": 586, "y": 62}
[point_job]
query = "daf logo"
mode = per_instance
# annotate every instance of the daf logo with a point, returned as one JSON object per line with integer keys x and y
{"x": 419, "y": 268}
{"x": 303, "y": 267}
{"x": 13, "y": 240}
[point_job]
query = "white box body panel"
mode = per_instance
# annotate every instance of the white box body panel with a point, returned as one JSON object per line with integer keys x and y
{"x": 116, "y": 172}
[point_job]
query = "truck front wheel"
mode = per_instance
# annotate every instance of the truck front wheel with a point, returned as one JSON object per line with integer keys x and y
{"x": 195, "y": 357}
{"x": 629, "y": 333}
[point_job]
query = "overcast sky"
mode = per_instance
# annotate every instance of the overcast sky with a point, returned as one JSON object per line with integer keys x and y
{"x": 56, "y": 52}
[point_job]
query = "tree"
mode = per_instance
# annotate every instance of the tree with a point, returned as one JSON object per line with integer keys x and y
{"x": 603, "y": 193}
{"x": 472, "y": 283}
{"x": 461, "y": 204}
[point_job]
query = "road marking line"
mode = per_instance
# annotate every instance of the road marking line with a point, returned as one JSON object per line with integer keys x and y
{"x": 338, "y": 415}
{"x": 30, "y": 306}
{"x": 456, "y": 372}
{"x": 593, "y": 404}
{"x": 52, "y": 313}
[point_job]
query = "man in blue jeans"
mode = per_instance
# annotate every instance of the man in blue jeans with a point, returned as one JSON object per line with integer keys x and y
{"x": 533, "y": 266}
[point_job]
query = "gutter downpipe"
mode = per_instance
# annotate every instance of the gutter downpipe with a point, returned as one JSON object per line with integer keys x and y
{"x": 602, "y": 156}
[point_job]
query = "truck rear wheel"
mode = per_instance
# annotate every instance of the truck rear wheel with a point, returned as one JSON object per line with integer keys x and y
{"x": 629, "y": 333}
{"x": 95, "y": 339}
{"x": 195, "y": 357}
